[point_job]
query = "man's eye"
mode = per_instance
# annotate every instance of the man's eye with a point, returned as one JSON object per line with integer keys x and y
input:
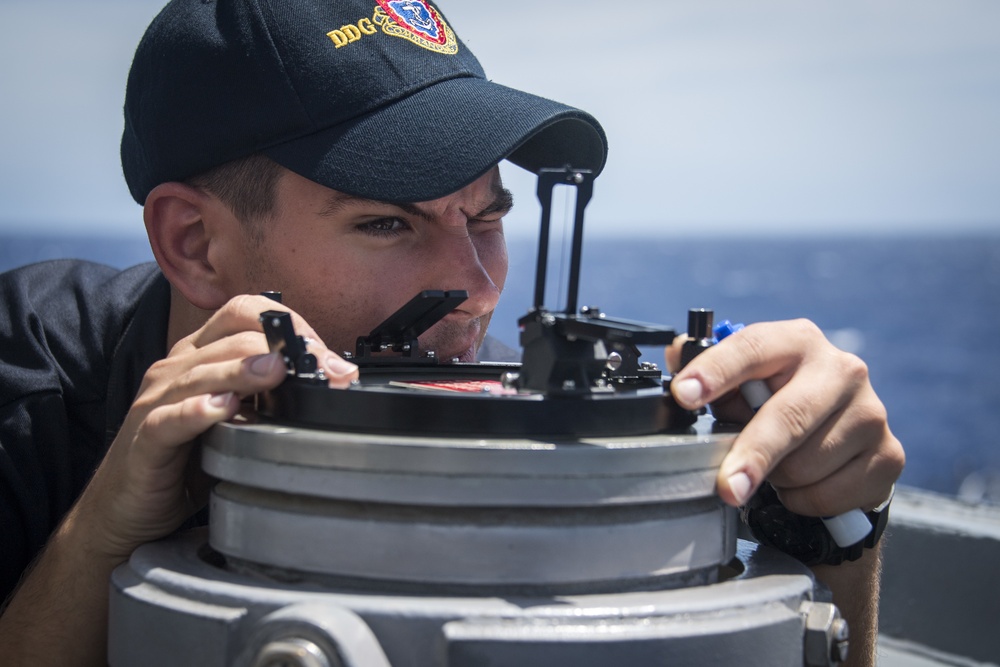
{"x": 384, "y": 227}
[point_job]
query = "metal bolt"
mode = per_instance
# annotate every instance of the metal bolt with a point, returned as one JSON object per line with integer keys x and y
{"x": 292, "y": 652}
{"x": 430, "y": 354}
{"x": 826, "y": 634}
{"x": 548, "y": 320}
{"x": 347, "y": 355}
{"x": 569, "y": 385}
{"x": 577, "y": 177}
{"x": 614, "y": 361}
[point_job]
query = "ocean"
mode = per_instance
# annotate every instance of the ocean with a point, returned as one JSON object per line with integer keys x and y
{"x": 921, "y": 311}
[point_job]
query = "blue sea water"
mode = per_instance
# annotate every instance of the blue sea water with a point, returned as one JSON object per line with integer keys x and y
{"x": 923, "y": 312}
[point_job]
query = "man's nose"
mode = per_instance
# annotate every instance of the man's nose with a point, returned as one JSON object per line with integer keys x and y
{"x": 457, "y": 265}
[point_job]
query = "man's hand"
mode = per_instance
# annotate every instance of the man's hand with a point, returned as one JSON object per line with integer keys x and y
{"x": 145, "y": 488}
{"x": 148, "y": 483}
{"x": 822, "y": 440}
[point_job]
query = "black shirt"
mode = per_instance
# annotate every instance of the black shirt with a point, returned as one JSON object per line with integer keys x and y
{"x": 75, "y": 341}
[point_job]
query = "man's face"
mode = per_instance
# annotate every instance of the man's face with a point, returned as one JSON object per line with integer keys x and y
{"x": 346, "y": 264}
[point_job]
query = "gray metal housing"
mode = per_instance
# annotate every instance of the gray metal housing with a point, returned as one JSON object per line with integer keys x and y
{"x": 331, "y": 548}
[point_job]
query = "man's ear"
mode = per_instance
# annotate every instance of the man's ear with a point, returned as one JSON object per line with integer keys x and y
{"x": 181, "y": 223}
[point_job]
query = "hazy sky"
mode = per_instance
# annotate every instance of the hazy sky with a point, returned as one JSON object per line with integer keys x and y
{"x": 722, "y": 115}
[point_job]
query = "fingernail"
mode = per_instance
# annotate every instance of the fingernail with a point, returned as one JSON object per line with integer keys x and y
{"x": 740, "y": 485}
{"x": 220, "y": 400}
{"x": 688, "y": 392}
{"x": 264, "y": 364}
{"x": 339, "y": 366}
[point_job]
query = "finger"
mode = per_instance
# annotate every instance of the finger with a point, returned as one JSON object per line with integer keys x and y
{"x": 732, "y": 408}
{"x": 774, "y": 351}
{"x": 765, "y": 350}
{"x": 781, "y": 425}
{"x": 242, "y": 313}
{"x": 238, "y": 345}
{"x": 822, "y": 437}
{"x": 864, "y": 481}
{"x": 162, "y": 440}
{"x": 856, "y": 439}
{"x": 235, "y": 330}
{"x": 819, "y": 389}
{"x": 857, "y": 428}
{"x": 338, "y": 370}
{"x": 242, "y": 376}
{"x": 818, "y": 456}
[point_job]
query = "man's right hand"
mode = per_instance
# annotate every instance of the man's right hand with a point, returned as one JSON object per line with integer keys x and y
{"x": 146, "y": 487}
{"x": 148, "y": 482}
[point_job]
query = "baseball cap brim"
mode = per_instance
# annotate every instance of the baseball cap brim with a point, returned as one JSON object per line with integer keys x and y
{"x": 439, "y": 139}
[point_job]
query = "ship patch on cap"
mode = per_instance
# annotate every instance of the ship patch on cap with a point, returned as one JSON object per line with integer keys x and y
{"x": 416, "y": 21}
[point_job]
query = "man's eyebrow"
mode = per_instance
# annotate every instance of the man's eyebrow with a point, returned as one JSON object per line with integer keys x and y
{"x": 502, "y": 202}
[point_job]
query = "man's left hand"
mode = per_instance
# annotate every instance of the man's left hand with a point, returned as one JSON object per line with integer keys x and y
{"x": 822, "y": 440}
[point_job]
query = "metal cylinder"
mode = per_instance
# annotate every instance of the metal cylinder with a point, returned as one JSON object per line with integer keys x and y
{"x": 591, "y": 514}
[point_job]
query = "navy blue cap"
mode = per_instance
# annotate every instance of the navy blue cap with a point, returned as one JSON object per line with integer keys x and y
{"x": 373, "y": 98}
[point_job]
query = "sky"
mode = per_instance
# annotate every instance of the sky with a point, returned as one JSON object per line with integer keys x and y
{"x": 723, "y": 116}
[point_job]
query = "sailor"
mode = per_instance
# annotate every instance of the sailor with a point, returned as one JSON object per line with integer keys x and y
{"x": 269, "y": 153}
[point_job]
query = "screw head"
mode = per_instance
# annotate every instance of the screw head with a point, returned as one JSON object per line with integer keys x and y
{"x": 614, "y": 361}
{"x": 292, "y": 652}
